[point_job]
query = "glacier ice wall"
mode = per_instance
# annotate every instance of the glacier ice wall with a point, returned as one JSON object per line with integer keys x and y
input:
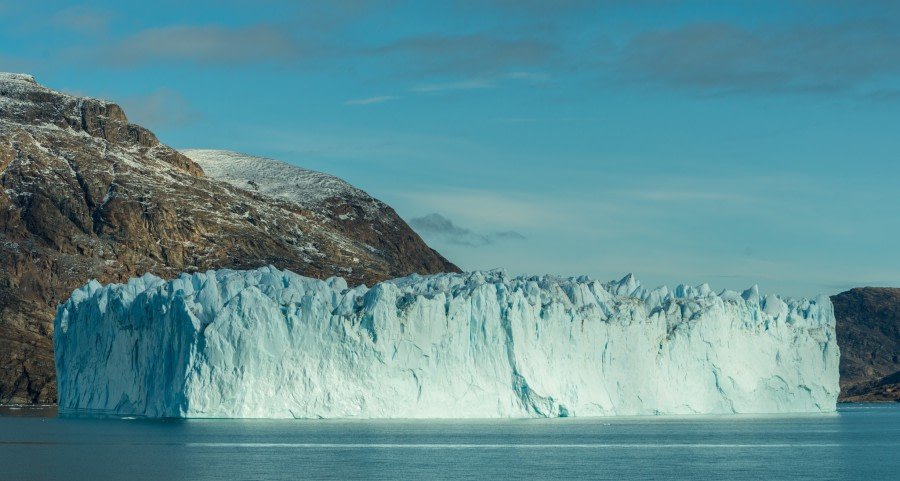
{"x": 270, "y": 343}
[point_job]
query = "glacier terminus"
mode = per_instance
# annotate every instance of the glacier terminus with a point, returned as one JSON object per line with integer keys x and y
{"x": 268, "y": 343}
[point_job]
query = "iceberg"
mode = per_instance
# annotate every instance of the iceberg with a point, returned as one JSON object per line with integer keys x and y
{"x": 268, "y": 343}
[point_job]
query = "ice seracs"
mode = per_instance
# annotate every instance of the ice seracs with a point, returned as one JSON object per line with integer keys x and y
{"x": 273, "y": 344}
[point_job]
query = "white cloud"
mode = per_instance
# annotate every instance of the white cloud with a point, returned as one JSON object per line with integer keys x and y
{"x": 470, "y": 84}
{"x": 485, "y": 82}
{"x": 371, "y": 100}
{"x": 535, "y": 77}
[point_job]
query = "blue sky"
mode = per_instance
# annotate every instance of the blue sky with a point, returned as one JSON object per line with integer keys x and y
{"x": 725, "y": 142}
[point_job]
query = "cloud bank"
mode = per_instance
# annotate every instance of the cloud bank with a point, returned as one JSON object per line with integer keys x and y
{"x": 438, "y": 225}
{"x": 730, "y": 58}
{"x": 206, "y": 45}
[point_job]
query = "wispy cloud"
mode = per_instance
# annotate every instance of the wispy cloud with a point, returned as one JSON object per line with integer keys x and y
{"x": 688, "y": 196}
{"x": 534, "y": 77}
{"x": 83, "y": 19}
{"x": 477, "y": 57}
{"x": 542, "y": 7}
{"x": 436, "y": 224}
{"x": 483, "y": 82}
{"x": 206, "y": 45}
{"x": 371, "y": 100}
{"x": 474, "y": 55}
{"x": 160, "y": 109}
{"x": 483, "y": 207}
{"x": 729, "y": 58}
{"x": 470, "y": 84}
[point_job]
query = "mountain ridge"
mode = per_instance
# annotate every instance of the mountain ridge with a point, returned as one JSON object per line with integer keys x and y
{"x": 88, "y": 195}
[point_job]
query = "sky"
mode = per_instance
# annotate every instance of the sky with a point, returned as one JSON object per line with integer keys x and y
{"x": 734, "y": 143}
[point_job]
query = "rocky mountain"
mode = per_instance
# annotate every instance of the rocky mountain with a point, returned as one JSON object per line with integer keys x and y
{"x": 88, "y": 195}
{"x": 868, "y": 333}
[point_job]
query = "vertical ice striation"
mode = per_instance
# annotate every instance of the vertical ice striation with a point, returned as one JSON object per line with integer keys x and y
{"x": 270, "y": 343}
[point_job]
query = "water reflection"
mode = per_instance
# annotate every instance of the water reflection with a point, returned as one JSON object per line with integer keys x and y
{"x": 860, "y": 441}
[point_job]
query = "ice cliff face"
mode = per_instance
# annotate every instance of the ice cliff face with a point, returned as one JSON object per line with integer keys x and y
{"x": 270, "y": 343}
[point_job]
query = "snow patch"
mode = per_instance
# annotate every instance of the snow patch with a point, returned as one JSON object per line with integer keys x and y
{"x": 273, "y": 178}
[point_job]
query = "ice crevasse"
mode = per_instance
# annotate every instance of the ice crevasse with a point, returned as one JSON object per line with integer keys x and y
{"x": 268, "y": 343}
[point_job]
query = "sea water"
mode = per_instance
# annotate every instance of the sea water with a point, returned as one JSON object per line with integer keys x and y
{"x": 859, "y": 441}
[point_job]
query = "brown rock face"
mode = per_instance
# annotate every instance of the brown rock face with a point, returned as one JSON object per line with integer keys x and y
{"x": 868, "y": 333}
{"x": 86, "y": 195}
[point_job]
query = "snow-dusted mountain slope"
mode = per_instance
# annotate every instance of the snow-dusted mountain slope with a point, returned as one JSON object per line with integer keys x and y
{"x": 269, "y": 343}
{"x": 311, "y": 189}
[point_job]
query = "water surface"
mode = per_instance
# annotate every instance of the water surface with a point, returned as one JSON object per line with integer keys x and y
{"x": 860, "y": 441}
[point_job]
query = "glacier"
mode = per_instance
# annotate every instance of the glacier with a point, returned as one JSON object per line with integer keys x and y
{"x": 268, "y": 343}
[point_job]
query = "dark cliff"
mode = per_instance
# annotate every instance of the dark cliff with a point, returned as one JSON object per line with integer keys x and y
{"x": 868, "y": 333}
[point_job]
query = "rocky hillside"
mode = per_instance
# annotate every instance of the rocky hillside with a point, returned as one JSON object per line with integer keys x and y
{"x": 868, "y": 333}
{"x": 88, "y": 195}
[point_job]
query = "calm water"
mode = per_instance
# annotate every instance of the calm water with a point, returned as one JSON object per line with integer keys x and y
{"x": 861, "y": 441}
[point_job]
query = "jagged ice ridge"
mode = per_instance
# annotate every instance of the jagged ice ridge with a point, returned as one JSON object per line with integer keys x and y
{"x": 272, "y": 344}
